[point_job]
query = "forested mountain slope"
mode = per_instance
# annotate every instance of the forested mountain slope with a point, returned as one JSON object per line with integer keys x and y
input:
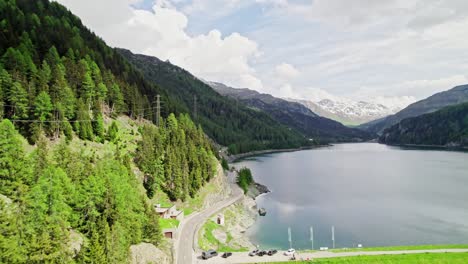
{"x": 45, "y": 49}
{"x": 294, "y": 115}
{"x": 71, "y": 190}
{"x": 433, "y": 103}
{"x": 446, "y": 127}
{"x": 228, "y": 122}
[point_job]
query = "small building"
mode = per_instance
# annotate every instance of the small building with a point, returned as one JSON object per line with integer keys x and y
{"x": 169, "y": 212}
{"x": 220, "y": 219}
{"x": 170, "y": 233}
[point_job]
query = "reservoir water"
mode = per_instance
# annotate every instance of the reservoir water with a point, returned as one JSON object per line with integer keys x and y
{"x": 374, "y": 195}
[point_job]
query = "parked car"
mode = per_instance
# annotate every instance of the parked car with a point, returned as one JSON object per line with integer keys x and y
{"x": 271, "y": 252}
{"x": 261, "y": 253}
{"x": 253, "y": 252}
{"x": 209, "y": 254}
{"x": 290, "y": 252}
{"x": 226, "y": 255}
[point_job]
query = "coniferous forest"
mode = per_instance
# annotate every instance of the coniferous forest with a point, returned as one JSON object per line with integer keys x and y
{"x": 446, "y": 127}
{"x": 61, "y": 86}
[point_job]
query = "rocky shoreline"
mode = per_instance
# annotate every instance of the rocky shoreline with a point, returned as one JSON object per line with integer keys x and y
{"x": 257, "y": 189}
{"x": 452, "y": 147}
{"x": 240, "y": 216}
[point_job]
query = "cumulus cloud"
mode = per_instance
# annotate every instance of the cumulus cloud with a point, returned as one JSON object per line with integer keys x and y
{"x": 419, "y": 88}
{"x": 361, "y": 49}
{"x": 413, "y": 13}
{"x": 162, "y": 32}
{"x": 286, "y": 71}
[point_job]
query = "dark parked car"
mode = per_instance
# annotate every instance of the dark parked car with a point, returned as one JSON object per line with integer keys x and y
{"x": 209, "y": 254}
{"x": 226, "y": 255}
{"x": 262, "y": 253}
{"x": 253, "y": 253}
{"x": 272, "y": 252}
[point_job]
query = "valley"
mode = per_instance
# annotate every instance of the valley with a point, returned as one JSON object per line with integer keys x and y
{"x": 124, "y": 140}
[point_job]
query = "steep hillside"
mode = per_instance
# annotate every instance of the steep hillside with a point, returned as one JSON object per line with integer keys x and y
{"x": 75, "y": 180}
{"x": 45, "y": 48}
{"x": 294, "y": 115}
{"x": 446, "y": 127}
{"x": 433, "y": 103}
{"x": 228, "y": 122}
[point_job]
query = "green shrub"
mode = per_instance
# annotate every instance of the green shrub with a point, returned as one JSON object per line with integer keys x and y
{"x": 244, "y": 179}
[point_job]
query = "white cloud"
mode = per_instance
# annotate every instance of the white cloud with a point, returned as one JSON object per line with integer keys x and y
{"x": 276, "y": 3}
{"x": 162, "y": 32}
{"x": 286, "y": 71}
{"x": 419, "y": 88}
{"x": 222, "y": 7}
{"x": 384, "y": 51}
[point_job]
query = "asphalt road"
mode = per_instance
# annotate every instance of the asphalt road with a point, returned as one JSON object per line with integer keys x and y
{"x": 185, "y": 244}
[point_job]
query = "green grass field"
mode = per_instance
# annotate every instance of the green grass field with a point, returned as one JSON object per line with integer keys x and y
{"x": 168, "y": 223}
{"x": 397, "y": 248}
{"x": 426, "y": 258}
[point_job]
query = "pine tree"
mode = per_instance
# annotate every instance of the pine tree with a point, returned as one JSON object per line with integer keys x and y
{"x": 42, "y": 107}
{"x": 41, "y": 157}
{"x": 50, "y": 210}
{"x": 3, "y": 86}
{"x": 84, "y": 127}
{"x": 13, "y": 166}
{"x": 152, "y": 229}
{"x": 62, "y": 93}
{"x": 67, "y": 130}
{"x": 18, "y": 98}
{"x": 101, "y": 92}
{"x": 98, "y": 127}
{"x": 116, "y": 99}
{"x": 95, "y": 252}
{"x": 13, "y": 60}
{"x": 45, "y": 75}
{"x": 12, "y": 245}
{"x": 88, "y": 88}
{"x": 52, "y": 57}
{"x": 112, "y": 132}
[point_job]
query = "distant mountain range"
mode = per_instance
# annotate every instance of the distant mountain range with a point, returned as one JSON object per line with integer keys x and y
{"x": 349, "y": 112}
{"x": 431, "y": 104}
{"x": 447, "y": 127}
{"x": 294, "y": 115}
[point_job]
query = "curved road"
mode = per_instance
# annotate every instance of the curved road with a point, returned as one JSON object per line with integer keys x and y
{"x": 185, "y": 244}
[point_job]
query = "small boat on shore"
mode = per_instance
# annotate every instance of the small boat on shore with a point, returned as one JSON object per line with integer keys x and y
{"x": 262, "y": 211}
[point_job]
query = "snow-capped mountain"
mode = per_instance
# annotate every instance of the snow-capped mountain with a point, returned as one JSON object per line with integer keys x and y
{"x": 350, "y": 112}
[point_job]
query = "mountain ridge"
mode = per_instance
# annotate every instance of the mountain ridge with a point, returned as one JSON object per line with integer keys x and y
{"x": 353, "y": 112}
{"x": 294, "y": 115}
{"x": 456, "y": 95}
{"x": 229, "y": 123}
{"x": 447, "y": 127}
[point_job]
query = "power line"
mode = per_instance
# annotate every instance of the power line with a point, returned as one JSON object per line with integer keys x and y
{"x": 34, "y": 107}
{"x": 49, "y": 121}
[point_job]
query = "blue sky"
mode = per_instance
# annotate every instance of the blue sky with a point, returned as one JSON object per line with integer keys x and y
{"x": 362, "y": 49}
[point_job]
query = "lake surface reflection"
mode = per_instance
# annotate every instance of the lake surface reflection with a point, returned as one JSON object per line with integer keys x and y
{"x": 373, "y": 194}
